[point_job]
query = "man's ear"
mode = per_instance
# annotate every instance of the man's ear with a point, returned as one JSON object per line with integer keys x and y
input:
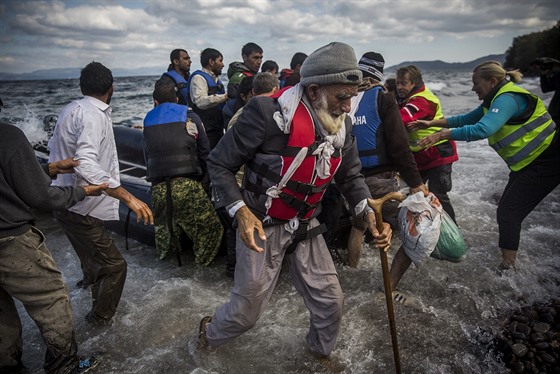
{"x": 156, "y": 103}
{"x": 312, "y": 92}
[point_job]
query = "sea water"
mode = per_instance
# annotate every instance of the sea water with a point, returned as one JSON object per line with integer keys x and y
{"x": 448, "y": 330}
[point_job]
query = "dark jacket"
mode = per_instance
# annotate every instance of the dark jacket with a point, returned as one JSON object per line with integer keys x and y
{"x": 24, "y": 184}
{"x": 257, "y": 132}
{"x": 392, "y": 141}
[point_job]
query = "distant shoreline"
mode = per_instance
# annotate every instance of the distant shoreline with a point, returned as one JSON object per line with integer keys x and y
{"x": 74, "y": 73}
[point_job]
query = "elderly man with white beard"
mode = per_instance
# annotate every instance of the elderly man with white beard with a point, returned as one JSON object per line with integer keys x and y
{"x": 293, "y": 144}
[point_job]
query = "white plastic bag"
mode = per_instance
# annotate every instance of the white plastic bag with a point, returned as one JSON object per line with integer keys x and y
{"x": 419, "y": 223}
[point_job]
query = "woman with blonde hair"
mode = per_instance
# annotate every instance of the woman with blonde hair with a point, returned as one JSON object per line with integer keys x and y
{"x": 519, "y": 128}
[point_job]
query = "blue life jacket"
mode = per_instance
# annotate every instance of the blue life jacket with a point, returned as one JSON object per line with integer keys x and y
{"x": 182, "y": 86}
{"x": 214, "y": 88}
{"x": 212, "y": 117}
{"x": 169, "y": 149}
{"x": 365, "y": 125}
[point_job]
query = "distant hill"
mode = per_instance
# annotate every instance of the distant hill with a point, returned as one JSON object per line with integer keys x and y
{"x": 439, "y": 65}
{"x": 70, "y": 73}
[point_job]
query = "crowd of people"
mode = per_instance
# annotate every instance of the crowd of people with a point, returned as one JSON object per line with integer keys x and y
{"x": 247, "y": 166}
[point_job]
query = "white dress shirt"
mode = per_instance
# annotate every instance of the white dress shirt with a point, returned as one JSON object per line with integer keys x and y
{"x": 84, "y": 131}
{"x": 199, "y": 92}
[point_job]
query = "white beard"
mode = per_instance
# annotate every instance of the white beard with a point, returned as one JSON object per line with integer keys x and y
{"x": 331, "y": 124}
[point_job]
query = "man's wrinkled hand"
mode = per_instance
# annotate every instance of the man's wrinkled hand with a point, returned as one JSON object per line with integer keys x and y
{"x": 247, "y": 224}
{"x": 65, "y": 166}
{"x": 382, "y": 240}
{"x": 142, "y": 210}
{"x": 95, "y": 190}
{"x": 422, "y": 188}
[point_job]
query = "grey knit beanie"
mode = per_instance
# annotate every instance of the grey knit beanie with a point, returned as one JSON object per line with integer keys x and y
{"x": 334, "y": 63}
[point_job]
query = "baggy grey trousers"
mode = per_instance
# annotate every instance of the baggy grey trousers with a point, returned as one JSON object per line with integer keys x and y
{"x": 256, "y": 274}
{"x": 28, "y": 273}
{"x": 101, "y": 260}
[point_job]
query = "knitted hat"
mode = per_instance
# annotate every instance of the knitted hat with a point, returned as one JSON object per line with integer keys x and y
{"x": 334, "y": 63}
{"x": 371, "y": 64}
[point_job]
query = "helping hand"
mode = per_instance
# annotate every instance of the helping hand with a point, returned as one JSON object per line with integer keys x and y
{"x": 95, "y": 190}
{"x": 418, "y": 125}
{"x": 382, "y": 240}
{"x": 429, "y": 140}
{"x": 248, "y": 223}
{"x": 65, "y": 166}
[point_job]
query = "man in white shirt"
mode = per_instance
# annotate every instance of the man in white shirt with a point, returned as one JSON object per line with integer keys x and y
{"x": 84, "y": 131}
{"x": 207, "y": 94}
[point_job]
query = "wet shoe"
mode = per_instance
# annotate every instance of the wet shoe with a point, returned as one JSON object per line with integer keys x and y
{"x": 87, "y": 363}
{"x": 336, "y": 257}
{"x": 96, "y": 321}
{"x": 504, "y": 268}
{"x": 202, "y": 341}
{"x": 331, "y": 364}
{"x": 83, "y": 284}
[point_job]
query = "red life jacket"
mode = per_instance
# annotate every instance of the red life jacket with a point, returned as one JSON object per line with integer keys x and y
{"x": 304, "y": 191}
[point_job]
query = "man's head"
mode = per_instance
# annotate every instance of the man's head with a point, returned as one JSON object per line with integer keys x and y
{"x": 212, "y": 60}
{"x": 270, "y": 67}
{"x": 164, "y": 91}
{"x": 252, "y": 56}
{"x": 297, "y": 61}
{"x": 371, "y": 64}
{"x": 96, "y": 80}
{"x": 331, "y": 77}
{"x": 181, "y": 61}
{"x": 265, "y": 84}
{"x": 408, "y": 78}
{"x": 245, "y": 89}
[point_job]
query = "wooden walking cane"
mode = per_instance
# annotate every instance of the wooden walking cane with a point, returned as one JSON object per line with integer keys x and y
{"x": 376, "y": 205}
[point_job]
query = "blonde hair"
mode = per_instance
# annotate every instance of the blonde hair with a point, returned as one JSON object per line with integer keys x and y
{"x": 493, "y": 69}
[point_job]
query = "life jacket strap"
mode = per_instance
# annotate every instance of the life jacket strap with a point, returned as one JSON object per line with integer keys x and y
{"x": 368, "y": 152}
{"x": 263, "y": 171}
{"x": 302, "y": 207}
{"x": 302, "y": 233}
{"x": 169, "y": 218}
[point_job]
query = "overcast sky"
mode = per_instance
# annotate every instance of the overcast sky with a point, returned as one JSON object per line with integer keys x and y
{"x": 130, "y": 34}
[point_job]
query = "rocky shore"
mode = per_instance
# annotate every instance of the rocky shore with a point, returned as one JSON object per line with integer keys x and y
{"x": 530, "y": 340}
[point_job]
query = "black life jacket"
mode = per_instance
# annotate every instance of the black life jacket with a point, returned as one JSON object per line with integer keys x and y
{"x": 170, "y": 150}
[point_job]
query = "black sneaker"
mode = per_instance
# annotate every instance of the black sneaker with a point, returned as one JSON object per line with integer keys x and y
{"x": 96, "y": 321}
{"x": 87, "y": 363}
{"x": 83, "y": 284}
{"x": 202, "y": 341}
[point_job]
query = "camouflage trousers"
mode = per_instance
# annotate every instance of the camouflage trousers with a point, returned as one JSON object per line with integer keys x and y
{"x": 193, "y": 215}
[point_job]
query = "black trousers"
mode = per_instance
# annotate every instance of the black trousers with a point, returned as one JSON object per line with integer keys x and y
{"x": 440, "y": 183}
{"x": 525, "y": 189}
{"x": 101, "y": 260}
